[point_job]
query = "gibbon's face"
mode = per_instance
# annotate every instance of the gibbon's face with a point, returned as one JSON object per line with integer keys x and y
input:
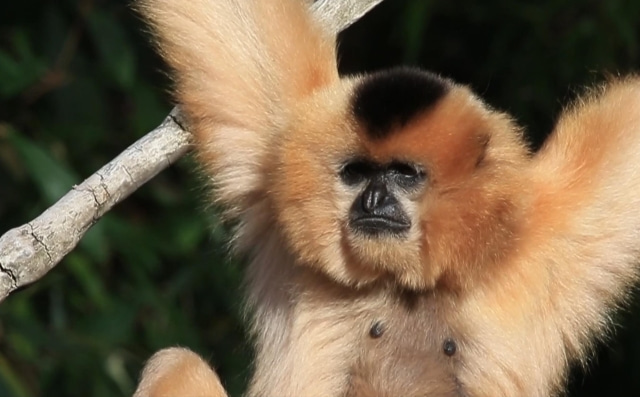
{"x": 394, "y": 174}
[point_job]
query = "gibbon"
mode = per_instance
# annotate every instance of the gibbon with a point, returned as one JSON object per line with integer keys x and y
{"x": 403, "y": 240}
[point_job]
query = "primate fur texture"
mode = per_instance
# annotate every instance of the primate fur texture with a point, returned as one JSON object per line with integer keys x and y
{"x": 403, "y": 241}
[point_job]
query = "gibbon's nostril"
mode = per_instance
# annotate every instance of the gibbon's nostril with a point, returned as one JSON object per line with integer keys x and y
{"x": 374, "y": 196}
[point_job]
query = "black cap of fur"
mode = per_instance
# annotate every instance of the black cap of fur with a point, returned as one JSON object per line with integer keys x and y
{"x": 389, "y": 99}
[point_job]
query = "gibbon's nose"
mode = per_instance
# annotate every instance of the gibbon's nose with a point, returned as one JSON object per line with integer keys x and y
{"x": 374, "y": 196}
{"x": 377, "y": 211}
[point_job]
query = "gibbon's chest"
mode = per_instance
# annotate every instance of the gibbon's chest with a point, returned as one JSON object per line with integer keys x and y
{"x": 410, "y": 350}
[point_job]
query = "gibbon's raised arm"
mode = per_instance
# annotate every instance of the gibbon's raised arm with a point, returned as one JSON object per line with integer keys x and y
{"x": 402, "y": 240}
{"x": 584, "y": 224}
{"x": 239, "y": 68}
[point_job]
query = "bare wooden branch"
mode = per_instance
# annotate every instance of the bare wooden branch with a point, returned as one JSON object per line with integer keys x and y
{"x": 338, "y": 15}
{"x": 29, "y": 251}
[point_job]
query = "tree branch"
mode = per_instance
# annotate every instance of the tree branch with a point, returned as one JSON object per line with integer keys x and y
{"x": 29, "y": 251}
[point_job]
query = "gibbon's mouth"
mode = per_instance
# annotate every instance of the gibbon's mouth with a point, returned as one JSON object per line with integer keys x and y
{"x": 378, "y": 225}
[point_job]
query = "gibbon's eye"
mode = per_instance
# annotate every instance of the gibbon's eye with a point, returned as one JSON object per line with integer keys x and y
{"x": 406, "y": 175}
{"x": 356, "y": 172}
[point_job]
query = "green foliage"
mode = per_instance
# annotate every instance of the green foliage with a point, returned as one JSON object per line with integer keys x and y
{"x": 78, "y": 84}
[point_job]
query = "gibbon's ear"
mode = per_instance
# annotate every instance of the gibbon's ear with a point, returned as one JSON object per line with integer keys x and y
{"x": 239, "y": 68}
{"x": 175, "y": 372}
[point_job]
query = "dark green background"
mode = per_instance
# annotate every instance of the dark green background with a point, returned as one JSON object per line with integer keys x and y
{"x": 79, "y": 83}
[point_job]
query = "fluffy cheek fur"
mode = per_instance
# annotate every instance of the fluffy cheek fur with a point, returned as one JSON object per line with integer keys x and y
{"x": 306, "y": 202}
{"x": 466, "y": 231}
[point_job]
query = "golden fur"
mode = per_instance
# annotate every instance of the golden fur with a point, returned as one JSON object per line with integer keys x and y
{"x": 516, "y": 259}
{"x": 178, "y": 372}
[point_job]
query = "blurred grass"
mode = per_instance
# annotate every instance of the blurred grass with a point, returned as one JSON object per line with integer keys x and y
{"x": 79, "y": 83}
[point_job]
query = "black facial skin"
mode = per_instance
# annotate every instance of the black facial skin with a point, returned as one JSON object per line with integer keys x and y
{"x": 376, "y": 210}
